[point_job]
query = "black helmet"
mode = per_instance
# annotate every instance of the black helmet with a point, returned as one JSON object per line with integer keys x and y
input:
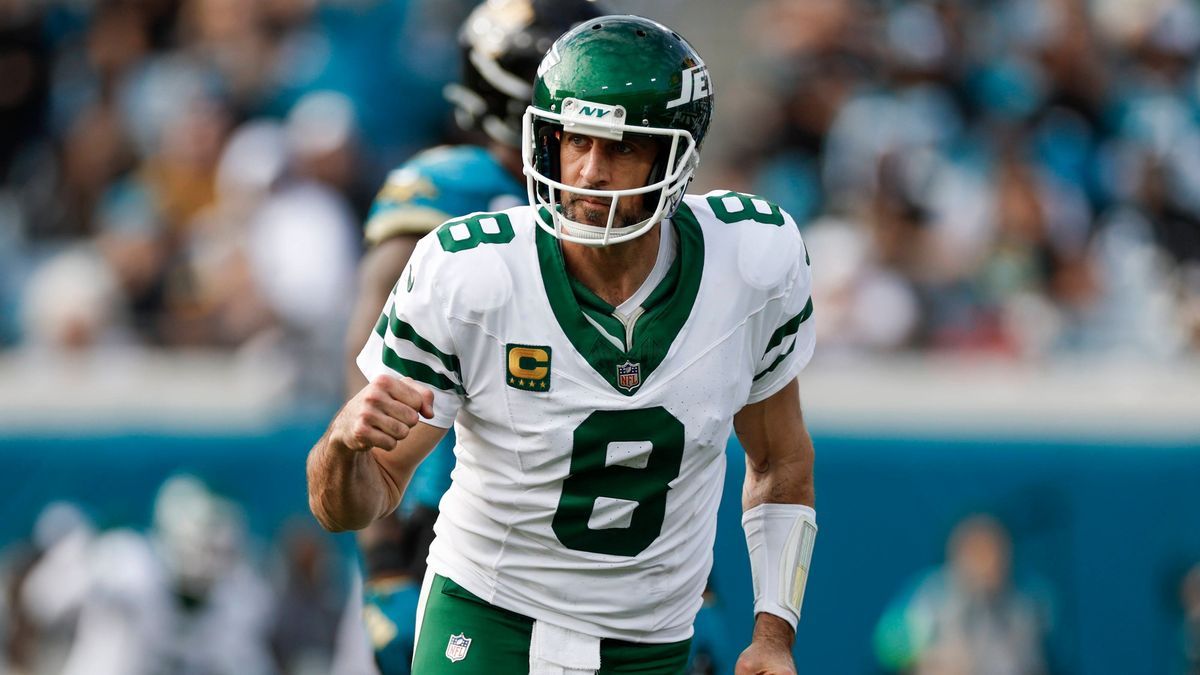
{"x": 502, "y": 43}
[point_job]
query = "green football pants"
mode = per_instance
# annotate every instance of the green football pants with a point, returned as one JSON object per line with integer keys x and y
{"x": 460, "y": 634}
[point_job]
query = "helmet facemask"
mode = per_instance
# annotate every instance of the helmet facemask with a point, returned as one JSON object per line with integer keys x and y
{"x": 669, "y": 177}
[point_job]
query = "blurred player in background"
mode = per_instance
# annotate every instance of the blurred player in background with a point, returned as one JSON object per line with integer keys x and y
{"x": 968, "y": 615}
{"x": 502, "y": 43}
{"x": 183, "y": 597}
{"x": 595, "y": 349}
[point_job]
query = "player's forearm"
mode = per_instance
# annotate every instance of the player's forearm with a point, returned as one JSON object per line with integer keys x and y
{"x": 779, "y": 451}
{"x": 780, "y": 526}
{"x": 347, "y": 490}
{"x": 781, "y": 478}
{"x": 779, "y": 519}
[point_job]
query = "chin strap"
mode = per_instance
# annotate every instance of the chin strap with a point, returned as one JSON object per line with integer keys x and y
{"x": 591, "y": 232}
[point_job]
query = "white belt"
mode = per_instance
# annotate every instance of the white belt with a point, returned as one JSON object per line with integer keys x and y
{"x": 554, "y": 650}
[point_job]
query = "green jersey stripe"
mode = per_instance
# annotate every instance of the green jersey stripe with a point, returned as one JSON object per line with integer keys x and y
{"x": 598, "y": 311}
{"x": 405, "y": 331}
{"x": 789, "y": 328}
{"x": 612, "y": 336}
{"x": 775, "y": 364}
{"x": 420, "y": 372}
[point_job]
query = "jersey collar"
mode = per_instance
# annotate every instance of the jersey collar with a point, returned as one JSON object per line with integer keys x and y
{"x": 667, "y": 308}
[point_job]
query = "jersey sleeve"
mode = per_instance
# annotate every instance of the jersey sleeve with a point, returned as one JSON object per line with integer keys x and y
{"x": 788, "y": 327}
{"x": 410, "y": 202}
{"x": 412, "y": 337}
{"x": 436, "y": 185}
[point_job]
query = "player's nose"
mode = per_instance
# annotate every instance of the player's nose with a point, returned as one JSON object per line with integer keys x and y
{"x": 597, "y": 166}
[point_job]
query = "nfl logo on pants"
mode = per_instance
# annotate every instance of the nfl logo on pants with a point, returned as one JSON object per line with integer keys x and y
{"x": 457, "y": 648}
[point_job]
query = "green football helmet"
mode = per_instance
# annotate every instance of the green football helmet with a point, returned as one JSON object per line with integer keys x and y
{"x": 608, "y": 77}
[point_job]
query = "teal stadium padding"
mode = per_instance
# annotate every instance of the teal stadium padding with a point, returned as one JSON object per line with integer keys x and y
{"x": 1106, "y": 527}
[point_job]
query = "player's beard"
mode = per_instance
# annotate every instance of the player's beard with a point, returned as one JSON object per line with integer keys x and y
{"x": 630, "y": 210}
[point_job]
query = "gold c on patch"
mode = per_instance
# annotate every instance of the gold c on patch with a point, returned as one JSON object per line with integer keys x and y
{"x": 528, "y": 367}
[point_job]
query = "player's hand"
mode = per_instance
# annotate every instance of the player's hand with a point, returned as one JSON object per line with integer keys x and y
{"x": 770, "y": 651}
{"x": 381, "y": 414}
{"x": 762, "y": 658}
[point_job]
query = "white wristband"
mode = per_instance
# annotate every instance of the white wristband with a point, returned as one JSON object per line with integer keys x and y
{"x": 780, "y": 538}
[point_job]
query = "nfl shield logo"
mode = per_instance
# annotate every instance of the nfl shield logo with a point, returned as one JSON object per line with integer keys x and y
{"x": 629, "y": 375}
{"x": 456, "y": 650}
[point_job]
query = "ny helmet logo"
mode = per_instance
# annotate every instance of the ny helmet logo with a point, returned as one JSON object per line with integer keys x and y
{"x": 593, "y": 112}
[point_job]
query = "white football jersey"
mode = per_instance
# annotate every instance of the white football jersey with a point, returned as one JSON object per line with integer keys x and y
{"x": 590, "y": 455}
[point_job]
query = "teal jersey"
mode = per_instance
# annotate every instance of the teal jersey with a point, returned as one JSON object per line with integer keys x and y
{"x": 390, "y": 614}
{"x": 431, "y": 478}
{"x": 430, "y": 188}
{"x": 439, "y": 184}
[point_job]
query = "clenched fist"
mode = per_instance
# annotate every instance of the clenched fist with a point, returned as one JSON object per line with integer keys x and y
{"x": 763, "y": 659}
{"x": 381, "y": 414}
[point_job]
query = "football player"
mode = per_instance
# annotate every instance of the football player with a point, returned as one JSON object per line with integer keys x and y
{"x": 593, "y": 350}
{"x": 502, "y": 42}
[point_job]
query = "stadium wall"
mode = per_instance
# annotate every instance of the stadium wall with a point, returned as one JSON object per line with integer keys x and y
{"x": 1101, "y": 496}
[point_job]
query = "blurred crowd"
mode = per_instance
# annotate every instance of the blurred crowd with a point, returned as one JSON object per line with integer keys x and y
{"x": 192, "y": 173}
{"x": 1010, "y": 177}
{"x": 193, "y": 593}
{"x": 1015, "y": 177}
{"x": 196, "y": 593}
{"x": 1018, "y": 177}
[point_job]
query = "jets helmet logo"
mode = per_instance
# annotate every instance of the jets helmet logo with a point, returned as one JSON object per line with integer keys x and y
{"x": 694, "y": 85}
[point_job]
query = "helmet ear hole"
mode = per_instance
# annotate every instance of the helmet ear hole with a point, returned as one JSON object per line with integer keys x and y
{"x": 658, "y": 170}
{"x": 546, "y": 139}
